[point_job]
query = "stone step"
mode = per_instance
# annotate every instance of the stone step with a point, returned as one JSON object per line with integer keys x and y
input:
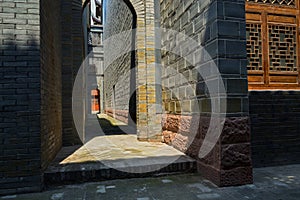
{"x": 97, "y": 171}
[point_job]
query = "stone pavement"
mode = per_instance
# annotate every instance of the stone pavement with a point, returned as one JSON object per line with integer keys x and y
{"x": 116, "y": 156}
{"x": 273, "y": 183}
{"x": 110, "y": 154}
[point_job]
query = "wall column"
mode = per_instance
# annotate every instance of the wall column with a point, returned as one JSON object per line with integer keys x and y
{"x": 148, "y": 114}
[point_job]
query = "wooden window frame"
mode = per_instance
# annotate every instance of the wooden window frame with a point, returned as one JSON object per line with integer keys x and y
{"x": 261, "y": 13}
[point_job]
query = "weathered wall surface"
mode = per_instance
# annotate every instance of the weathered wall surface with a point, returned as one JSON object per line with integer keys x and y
{"x": 275, "y": 127}
{"x": 117, "y": 74}
{"x": 219, "y": 26}
{"x": 20, "y": 97}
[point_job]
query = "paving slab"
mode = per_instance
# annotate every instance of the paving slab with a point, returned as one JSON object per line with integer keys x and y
{"x": 184, "y": 186}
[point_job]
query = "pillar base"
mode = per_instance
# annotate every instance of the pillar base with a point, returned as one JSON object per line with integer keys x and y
{"x": 225, "y": 178}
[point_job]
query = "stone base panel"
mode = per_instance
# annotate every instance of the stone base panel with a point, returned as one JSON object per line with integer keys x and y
{"x": 229, "y": 162}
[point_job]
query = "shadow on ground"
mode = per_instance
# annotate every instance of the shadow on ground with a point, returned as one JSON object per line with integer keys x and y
{"x": 109, "y": 128}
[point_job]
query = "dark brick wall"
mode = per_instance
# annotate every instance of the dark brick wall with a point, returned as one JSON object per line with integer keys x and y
{"x": 275, "y": 127}
{"x": 31, "y": 93}
{"x": 20, "y": 97}
{"x": 51, "y": 107}
{"x": 72, "y": 54}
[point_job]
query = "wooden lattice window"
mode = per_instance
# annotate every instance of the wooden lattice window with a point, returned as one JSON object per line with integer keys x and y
{"x": 273, "y": 44}
{"x": 282, "y": 48}
{"x": 254, "y": 44}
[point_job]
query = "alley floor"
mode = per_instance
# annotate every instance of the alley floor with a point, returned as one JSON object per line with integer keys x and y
{"x": 273, "y": 183}
{"x": 104, "y": 162}
{"x": 122, "y": 152}
{"x": 113, "y": 152}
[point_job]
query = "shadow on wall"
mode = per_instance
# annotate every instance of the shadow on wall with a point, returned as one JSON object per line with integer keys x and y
{"x": 225, "y": 42}
{"x": 20, "y": 111}
{"x": 132, "y": 114}
{"x": 198, "y": 114}
{"x": 220, "y": 29}
{"x": 120, "y": 69}
{"x": 206, "y": 40}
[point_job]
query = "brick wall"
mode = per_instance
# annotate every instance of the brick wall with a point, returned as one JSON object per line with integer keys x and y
{"x": 31, "y": 88}
{"x": 72, "y": 54}
{"x": 275, "y": 127}
{"x": 51, "y": 87}
{"x": 20, "y": 97}
{"x": 117, "y": 74}
{"x": 218, "y": 26}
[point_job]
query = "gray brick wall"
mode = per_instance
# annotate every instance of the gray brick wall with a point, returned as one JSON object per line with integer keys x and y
{"x": 219, "y": 27}
{"x": 117, "y": 69}
{"x": 221, "y": 31}
{"x": 20, "y": 97}
{"x": 275, "y": 127}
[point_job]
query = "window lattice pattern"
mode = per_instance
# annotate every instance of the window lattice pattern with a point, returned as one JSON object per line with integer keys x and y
{"x": 283, "y": 48}
{"x": 276, "y": 2}
{"x": 254, "y": 44}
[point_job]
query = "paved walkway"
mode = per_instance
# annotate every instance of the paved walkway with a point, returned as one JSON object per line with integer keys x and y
{"x": 122, "y": 152}
{"x": 114, "y": 155}
{"x": 116, "y": 150}
{"x": 275, "y": 183}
